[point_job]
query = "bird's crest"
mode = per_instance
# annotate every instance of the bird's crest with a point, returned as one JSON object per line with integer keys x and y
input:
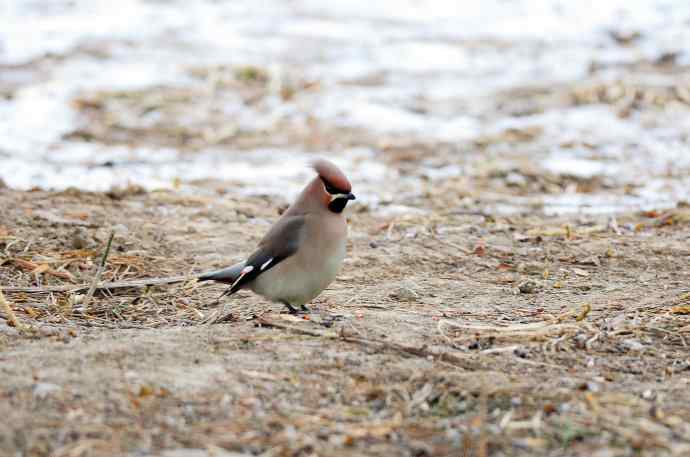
{"x": 331, "y": 175}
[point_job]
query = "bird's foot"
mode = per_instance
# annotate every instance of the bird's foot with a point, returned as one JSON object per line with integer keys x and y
{"x": 294, "y": 311}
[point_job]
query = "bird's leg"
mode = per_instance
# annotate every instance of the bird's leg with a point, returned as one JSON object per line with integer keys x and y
{"x": 290, "y": 308}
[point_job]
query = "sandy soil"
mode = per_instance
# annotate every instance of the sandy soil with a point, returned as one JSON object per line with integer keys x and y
{"x": 447, "y": 333}
{"x": 467, "y": 320}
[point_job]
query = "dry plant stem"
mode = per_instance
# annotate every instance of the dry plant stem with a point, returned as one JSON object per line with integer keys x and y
{"x": 11, "y": 317}
{"x": 99, "y": 272}
{"x": 483, "y": 414}
{"x": 423, "y": 352}
{"x": 103, "y": 286}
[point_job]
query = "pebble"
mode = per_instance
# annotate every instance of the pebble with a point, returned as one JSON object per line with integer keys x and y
{"x": 633, "y": 345}
{"x": 528, "y": 287}
{"x": 81, "y": 239}
{"x": 405, "y": 293}
{"x": 44, "y": 389}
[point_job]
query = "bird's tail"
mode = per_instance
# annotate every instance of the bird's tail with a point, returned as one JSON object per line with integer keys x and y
{"x": 227, "y": 275}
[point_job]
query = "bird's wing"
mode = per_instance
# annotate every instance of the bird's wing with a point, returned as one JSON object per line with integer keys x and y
{"x": 281, "y": 242}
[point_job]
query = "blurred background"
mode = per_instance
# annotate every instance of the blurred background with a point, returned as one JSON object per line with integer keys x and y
{"x": 507, "y": 106}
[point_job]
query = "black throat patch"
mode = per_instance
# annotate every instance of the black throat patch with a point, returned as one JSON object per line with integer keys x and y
{"x": 338, "y": 204}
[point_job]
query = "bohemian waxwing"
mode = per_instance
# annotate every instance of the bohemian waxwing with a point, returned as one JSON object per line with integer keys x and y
{"x": 303, "y": 251}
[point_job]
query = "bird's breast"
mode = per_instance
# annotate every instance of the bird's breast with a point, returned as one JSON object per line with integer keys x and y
{"x": 301, "y": 277}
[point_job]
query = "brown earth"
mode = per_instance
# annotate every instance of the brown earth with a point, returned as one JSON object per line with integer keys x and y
{"x": 447, "y": 333}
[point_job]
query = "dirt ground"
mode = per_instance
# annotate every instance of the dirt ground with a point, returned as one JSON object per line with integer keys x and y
{"x": 467, "y": 321}
{"x": 449, "y": 332}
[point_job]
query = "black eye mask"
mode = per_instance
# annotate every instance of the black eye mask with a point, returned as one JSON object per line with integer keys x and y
{"x": 331, "y": 189}
{"x": 337, "y": 205}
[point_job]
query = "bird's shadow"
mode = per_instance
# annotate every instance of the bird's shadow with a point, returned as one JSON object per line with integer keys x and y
{"x": 316, "y": 316}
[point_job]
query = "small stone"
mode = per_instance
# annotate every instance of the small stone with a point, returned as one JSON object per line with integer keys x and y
{"x": 515, "y": 180}
{"x": 81, "y": 238}
{"x": 648, "y": 394}
{"x": 528, "y": 287}
{"x": 581, "y": 272}
{"x": 633, "y": 345}
{"x": 549, "y": 408}
{"x": 591, "y": 260}
{"x": 44, "y": 389}
{"x": 589, "y": 386}
{"x": 581, "y": 341}
{"x": 406, "y": 292}
{"x": 521, "y": 352}
{"x": 120, "y": 229}
{"x": 531, "y": 268}
{"x": 520, "y": 237}
{"x": 119, "y": 193}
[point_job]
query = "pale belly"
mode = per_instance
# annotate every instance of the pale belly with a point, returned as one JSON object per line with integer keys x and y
{"x": 296, "y": 281}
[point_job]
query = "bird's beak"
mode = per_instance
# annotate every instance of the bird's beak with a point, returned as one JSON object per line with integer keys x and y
{"x": 351, "y": 196}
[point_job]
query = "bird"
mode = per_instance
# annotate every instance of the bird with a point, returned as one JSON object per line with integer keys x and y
{"x": 302, "y": 253}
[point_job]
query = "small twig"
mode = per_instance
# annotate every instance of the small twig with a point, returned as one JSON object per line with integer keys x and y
{"x": 99, "y": 272}
{"x": 500, "y": 350}
{"x": 11, "y": 317}
{"x": 462, "y": 362}
{"x": 482, "y": 449}
{"x": 532, "y": 330}
{"x": 462, "y": 249}
{"x": 104, "y": 286}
